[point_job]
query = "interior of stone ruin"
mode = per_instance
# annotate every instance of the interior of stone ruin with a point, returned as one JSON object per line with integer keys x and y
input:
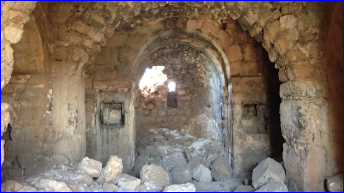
{"x": 171, "y": 96}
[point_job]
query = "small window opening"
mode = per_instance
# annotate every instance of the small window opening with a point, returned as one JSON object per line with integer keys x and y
{"x": 171, "y": 87}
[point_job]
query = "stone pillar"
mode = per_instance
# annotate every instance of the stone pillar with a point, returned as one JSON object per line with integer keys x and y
{"x": 304, "y": 114}
{"x": 68, "y": 110}
{"x": 303, "y": 123}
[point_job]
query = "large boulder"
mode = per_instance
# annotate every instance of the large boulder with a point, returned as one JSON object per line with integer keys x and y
{"x": 11, "y": 186}
{"x": 335, "y": 184}
{"x": 52, "y": 186}
{"x": 112, "y": 170}
{"x": 128, "y": 183}
{"x": 27, "y": 189}
{"x": 84, "y": 178}
{"x": 108, "y": 187}
{"x": 77, "y": 188}
{"x": 181, "y": 174}
{"x": 155, "y": 178}
{"x": 221, "y": 169}
{"x": 202, "y": 173}
{"x": 188, "y": 187}
{"x": 91, "y": 167}
{"x": 273, "y": 187}
{"x": 267, "y": 171}
{"x": 244, "y": 189}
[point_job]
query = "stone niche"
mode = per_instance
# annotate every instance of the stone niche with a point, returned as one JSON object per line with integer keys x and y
{"x": 112, "y": 114}
{"x": 112, "y": 132}
{"x": 253, "y": 119}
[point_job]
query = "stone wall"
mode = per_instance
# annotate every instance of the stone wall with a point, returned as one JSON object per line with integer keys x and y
{"x": 196, "y": 96}
{"x": 14, "y": 15}
{"x": 103, "y": 139}
{"x": 333, "y": 52}
{"x": 112, "y": 71}
{"x": 251, "y": 138}
{"x": 293, "y": 37}
{"x": 28, "y": 94}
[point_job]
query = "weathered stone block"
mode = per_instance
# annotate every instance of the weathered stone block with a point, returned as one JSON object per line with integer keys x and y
{"x": 269, "y": 17}
{"x": 155, "y": 178}
{"x": 27, "y": 189}
{"x": 291, "y": 8}
{"x": 108, "y": 187}
{"x": 273, "y": 54}
{"x": 202, "y": 173}
{"x": 128, "y": 183}
{"x": 235, "y": 9}
{"x": 273, "y": 187}
{"x": 288, "y": 21}
{"x": 306, "y": 165}
{"x": 188, "y": 187}
{"x": 244, "y": 189}
{"x": 295, "y": 55}
{"x": 305, "y": 72}
{"x": 281, "y": 46}
{"x": 235, "y": 68}
{"x": 13, "y": 33}
{"x": 91, "y": 167}
{"x": 250, "y": 52}
{"x": 271, "y": 30}
{"x": 112, "y": 170}
{"x": 267, "y": 171}
{"x": 245, "y": 84}
{"x": 181, "y": 174}
{"x": 221, "y": 169}
{"x": 256, "y": 32}
{"x": 11, "y": 186}
{"x": 302, "y": 89}
{"x": 335, "y": 183}
{"x": 302, "y": 120}
{"x": 77, "y": 188}
{"x": 233, "y": 53}
{"x": 194, "y": 24}
{"x": 60, "y": 13}
{"x": 248, "y": 19}
{"x": 52, "y": 186}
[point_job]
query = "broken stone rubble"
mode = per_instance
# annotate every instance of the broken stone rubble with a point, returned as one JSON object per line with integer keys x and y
{"x": 128, "y": 183}
{"x": 181, "y": 174}
{"x": 167, "y": 149}
{"x": 91, "y": 167}
{"x": 267, "y": 171}
{"x": 155, "y": 178}
{"x": 112, "y": 170}
{"x": 273, "y": 187}
{"x": 221, "y": 169}
{"x": 244, "y": 189}
{"x": 188, "y": 187}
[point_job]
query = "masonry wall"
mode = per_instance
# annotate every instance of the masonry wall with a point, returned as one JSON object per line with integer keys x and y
{"x": 333, "y": 53}
{"x": 289, "y": 31}
{"x": 29, "y": 97}
{"x": 114, "y": 68}
{"x": 197, "y": 101}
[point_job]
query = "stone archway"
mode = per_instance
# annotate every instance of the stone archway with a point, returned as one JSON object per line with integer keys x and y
{"x": 289, "y": 31}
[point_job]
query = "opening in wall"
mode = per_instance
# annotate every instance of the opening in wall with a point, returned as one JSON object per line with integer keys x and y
{"x": 171, "y": 87}
{"x": 112, "y": 114}
{"x": 151, "y": 79}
